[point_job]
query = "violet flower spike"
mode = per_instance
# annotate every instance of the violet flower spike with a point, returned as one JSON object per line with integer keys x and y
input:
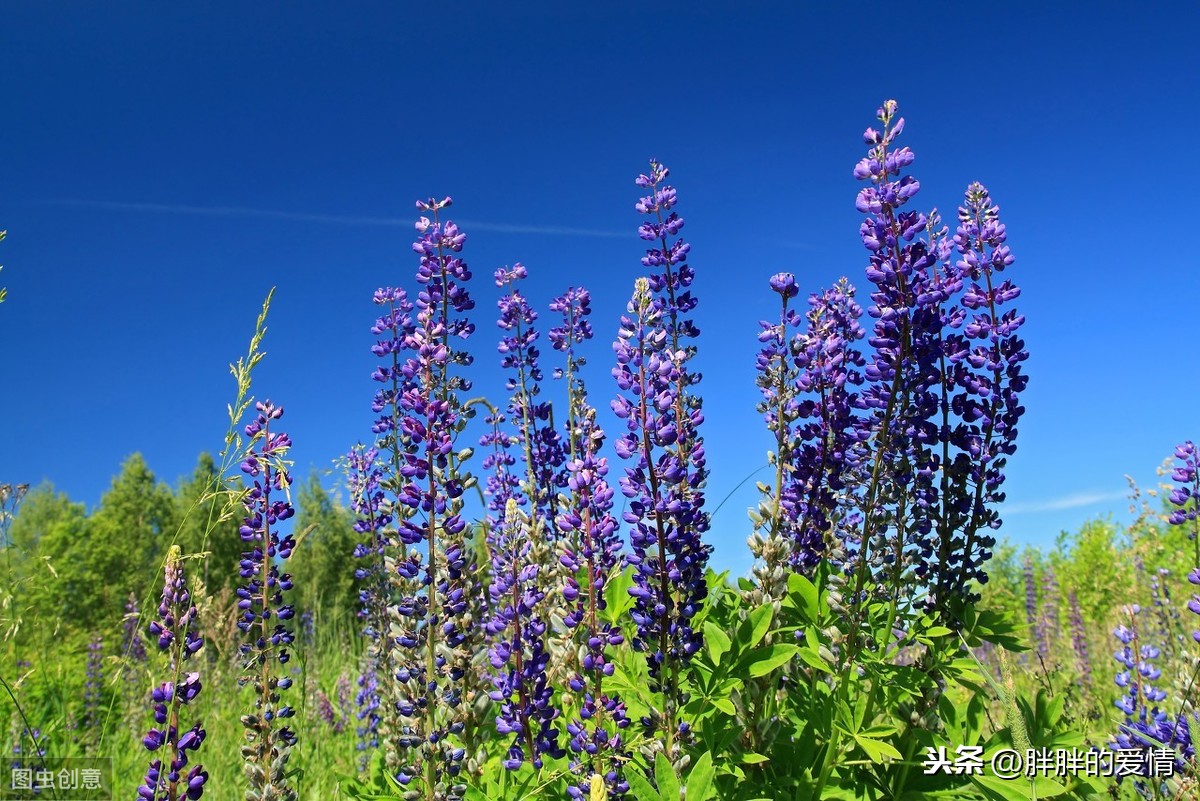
{"x": 590, "y": 550}
{"x": 1148, "y": 721}
{"x": 517, "y": 653}
{"x": 265, "y": 617}
{"x": 432, "y": 615}
{"x": 171, "y": 775}
{"x": 1186, "y": 496}
{"x": 669, "y": 555}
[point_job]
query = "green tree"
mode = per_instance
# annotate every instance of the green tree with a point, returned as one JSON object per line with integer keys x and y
{"x": 126, "y": 541}
{"x": 44, "y": 538}
{"x": 322, "y": 566}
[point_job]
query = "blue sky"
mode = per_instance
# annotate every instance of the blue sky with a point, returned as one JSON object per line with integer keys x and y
{"x": 164, "y": 166}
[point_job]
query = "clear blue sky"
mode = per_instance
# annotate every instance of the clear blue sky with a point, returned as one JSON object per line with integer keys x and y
{"x": 164, "y": 165}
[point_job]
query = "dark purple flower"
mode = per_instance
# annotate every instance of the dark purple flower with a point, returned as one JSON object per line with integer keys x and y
{"x": 590, "y": 554}
{"x": 1147, "y": 721}
{"x": 517, "y": 652}
{"x": 665, "y": 495}
{"x": 372, "y": 521}
{"x": 175, "y": 630}
{"x": 943, "y": 386}
{"x": 132, "y": 646}
{"x": 808, "y": 382}
{"x": 1186, "y": 496}
{"x": 264, "y": 614}
{"x": 541, "y": 448}
{"x": 665, "y": 485}
{"x": 424, "y": 480}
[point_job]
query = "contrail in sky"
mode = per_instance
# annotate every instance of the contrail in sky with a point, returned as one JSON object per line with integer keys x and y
{"x": 335, "y": 219}
{"x": 1072, "y": 501}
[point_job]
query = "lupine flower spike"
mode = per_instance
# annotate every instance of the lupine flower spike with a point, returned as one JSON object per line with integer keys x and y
{"x": 590, "y": 554}
{"x": 1186, "y": 496}
{"x": 518, "y": 654}
{"x": 433, "y": 617}
{"x": 172, "y": 775}
{"x": 265, "y": 617}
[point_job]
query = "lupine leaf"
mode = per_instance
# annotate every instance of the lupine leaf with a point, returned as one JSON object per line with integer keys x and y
{"x": 759, "y": 622}
{"x": 700, "y": 780}
{"x": 640, "y": 786}
{"x": 716, "y": 641}
{"x": 877, "y": 749}
{"x": 664, "y": 775}
{"x": 762, "y": 661}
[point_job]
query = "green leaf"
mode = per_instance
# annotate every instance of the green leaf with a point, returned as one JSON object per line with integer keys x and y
{"x": 700, "y": 781}
{"x": 805, "y": 592}
{"x": 759, "y": 622}
{"x": 813, "y": 659}
{"x": 716, "y": 641}
{"x": 762, "y": 661}
{"x": 617, "y": 599}
{"x": 640, "y": 787}
{"x": 725, "y": 705}
{"x": 664, "y": 775}
{"x": 937, "y": 631}
{"x": 877, "y": 749}
{"x": 751, "y": 758}
{"x": 1009, "y": 790}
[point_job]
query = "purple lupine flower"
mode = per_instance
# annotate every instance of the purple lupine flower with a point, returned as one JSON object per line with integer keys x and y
{"x": 1167, "y": 621}
{"x": 176, "y": 634}
{"x": 665, "y": 500}
{"x": 985, "y": 367}
{"x": 1186, "y": 496}
{"x": 327, "y": 713}
{"x": 1047, "y": 623}
{"x": 502, "y": 483}
{"x": 132, "y": 644}
{"x": 364, "y": 476}
{"x": 367, "y": 701}
{"x": 341, "y": 691}
{"x": 673, "y": 298}
{"x": 264, "y": 614}
{"x": 776, "y": 380}
{"x": 34, "y": 757}
{"x": 654, "y": 356}
{"x": 1147, "y": 722}
{"x": 432, "y": 611}
{"x": 595, "y": 735}
{"x": 517, "y": 652}
{"x": 1031, "y": 603}
{"x": 591, "y": 548}
{"x": 1079, "y": 640}
{"x": 903, "y": 377}
{"x": 540, "y": 444}
{"x": 823, "y": 455}
{"x": 1194, "y": 604}
{"x": 944, "y": 384}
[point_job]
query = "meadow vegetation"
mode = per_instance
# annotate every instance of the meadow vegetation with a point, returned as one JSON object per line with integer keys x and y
{"x": 503, "y": 600}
